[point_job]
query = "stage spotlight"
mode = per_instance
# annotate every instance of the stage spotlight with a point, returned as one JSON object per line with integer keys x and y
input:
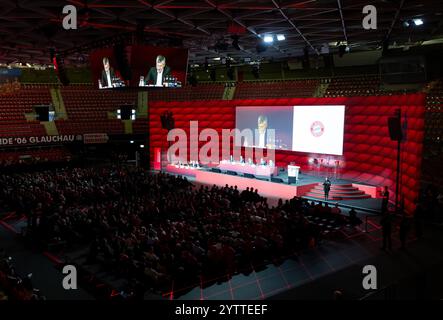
{"x": 132, "y": 141}
{"x": 281, "y": 37}
{"x": 418, "y": 22}
{"x": 268, "y": 39}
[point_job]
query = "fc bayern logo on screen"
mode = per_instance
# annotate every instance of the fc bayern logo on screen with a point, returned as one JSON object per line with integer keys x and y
{"x": 317, "y": 129}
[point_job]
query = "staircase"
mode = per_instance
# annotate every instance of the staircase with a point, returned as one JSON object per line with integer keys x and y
{"x": 228, "y": 93}
{"x": 50, "y": 127}
{"x": 58, "y": 103}
{"x": 321, "y": 90}
{"x": 337, "y": 192}
{"x": 142, "y": 104}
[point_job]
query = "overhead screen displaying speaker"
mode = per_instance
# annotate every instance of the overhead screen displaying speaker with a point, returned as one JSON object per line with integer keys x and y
{"x": 318, "y": 129}
{"x": 139, "y": 66}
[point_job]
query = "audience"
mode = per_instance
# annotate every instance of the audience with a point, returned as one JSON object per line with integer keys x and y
{"x": 153, "y": 228}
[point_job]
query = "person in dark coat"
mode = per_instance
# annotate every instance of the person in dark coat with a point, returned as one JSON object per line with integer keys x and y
{"x": 327, "y": 187}
{"x": 159, "y": 73}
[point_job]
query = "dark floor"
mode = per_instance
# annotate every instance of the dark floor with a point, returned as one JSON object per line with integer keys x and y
{"x": 45, "y": 276}
{"x": 413, "y": 273}
{"x": 313, "y": 274}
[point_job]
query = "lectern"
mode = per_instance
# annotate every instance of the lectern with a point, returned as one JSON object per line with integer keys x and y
{"x": 293, "y": 173}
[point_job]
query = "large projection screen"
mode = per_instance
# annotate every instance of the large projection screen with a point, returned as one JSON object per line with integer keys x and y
{"x": 318, "y": 129}
{"x": 274, "y": 118}
{"x": 310, "y": 129}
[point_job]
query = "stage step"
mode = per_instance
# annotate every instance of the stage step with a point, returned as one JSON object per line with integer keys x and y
{"x": 344, "y": 192}
{"x": 338, "y": 192}
{"x": 336, "y": 187}
{"x": 337, "y": 197}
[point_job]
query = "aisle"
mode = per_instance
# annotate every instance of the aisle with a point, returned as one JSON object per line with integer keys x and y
{"x": 44, "y": 274}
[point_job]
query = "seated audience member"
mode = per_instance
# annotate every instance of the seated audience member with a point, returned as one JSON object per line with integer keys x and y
{"x": 155, "y": 228}
{"x": 353, "y": 219}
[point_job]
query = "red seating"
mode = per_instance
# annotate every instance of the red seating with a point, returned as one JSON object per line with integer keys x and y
{"x": 276, "y": 89}
{"x": 431, "y": 170}
{"x": 52, "y": 154}
{"x": 13, "y": 108}
{"x": 353, "y": 86}
{"x": 88, "y": 107}
{"x": 187, "y": 93}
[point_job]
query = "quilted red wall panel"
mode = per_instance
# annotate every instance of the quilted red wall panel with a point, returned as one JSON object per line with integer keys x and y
{"x": 369, "y": 154}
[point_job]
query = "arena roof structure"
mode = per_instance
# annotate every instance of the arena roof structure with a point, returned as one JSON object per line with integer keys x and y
{"x": 216, "y": 28}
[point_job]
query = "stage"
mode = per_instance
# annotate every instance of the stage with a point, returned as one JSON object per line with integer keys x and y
{"x": 345, "y": 192}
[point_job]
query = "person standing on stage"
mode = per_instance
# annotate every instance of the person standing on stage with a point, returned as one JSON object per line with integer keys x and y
{"x": 327, "y": 187}
{"x": 385, "y": 201}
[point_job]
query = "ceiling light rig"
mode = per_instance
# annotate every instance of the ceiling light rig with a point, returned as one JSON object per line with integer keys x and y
{"x": 413, "y": 23}
{"x": 268, "y": 39}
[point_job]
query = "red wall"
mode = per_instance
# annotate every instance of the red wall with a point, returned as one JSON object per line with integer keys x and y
{"x": 369, "y": 154}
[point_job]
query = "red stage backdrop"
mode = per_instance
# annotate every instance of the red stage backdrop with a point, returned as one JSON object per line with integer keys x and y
{"x": 369, "y": 154}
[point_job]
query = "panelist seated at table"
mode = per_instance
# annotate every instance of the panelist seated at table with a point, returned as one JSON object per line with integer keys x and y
{"x": 195, "y": 164}
{"x": 181, "y": 164}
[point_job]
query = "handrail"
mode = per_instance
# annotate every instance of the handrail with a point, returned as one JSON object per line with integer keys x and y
{"x": 343, "y": 205}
